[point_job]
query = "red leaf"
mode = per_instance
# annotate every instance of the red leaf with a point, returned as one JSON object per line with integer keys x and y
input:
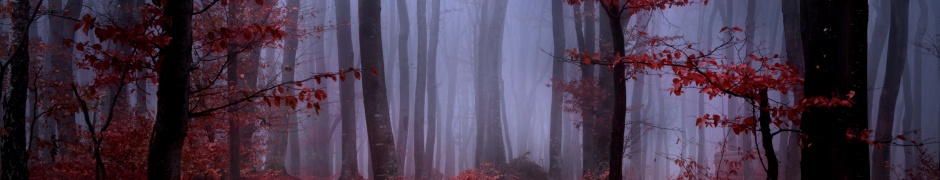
{"x": 902, "y": 137}
{"x": 723, "y": 29}
{"x": 375, "y": 73}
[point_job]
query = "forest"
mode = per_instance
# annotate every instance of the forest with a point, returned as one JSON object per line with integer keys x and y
{"x": 469, "y": 89}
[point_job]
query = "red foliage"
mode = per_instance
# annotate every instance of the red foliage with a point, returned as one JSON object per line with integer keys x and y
{"x": 485, "y": 172}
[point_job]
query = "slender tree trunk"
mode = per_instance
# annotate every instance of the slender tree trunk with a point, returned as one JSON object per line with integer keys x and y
{"x": 835, "y": 48}
{"x": 882, "y": 21}
{"x": 170, "y": 127}
{"x": 605, "y": 116}
{"x": 766, "y": 138}
{"x": 450, "y": 151}
{"x": 404, "y": 86}
{"x": 421, "y": 90}
{"x": 916, "y": 76}
{"x": 347, "y": 92}
{"x": 381, "y": 144}
{"x": 289, "y": 65}
{"x": 794, "y": 54}
{"x": 60, "y": 29}
{"x": 558, "y": 32}
{"x": 13, "y": 154}
{"x": 234, "y": 133}
{"x": 323, "y": 124}
{"x": 897, "y": 51}
{"x": 620, "y": 98}
{"x": 636, "y": 142}
{"x": 432, "y": 87}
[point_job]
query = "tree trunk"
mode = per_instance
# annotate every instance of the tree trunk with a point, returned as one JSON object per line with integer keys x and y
{"x": 878, "y": 38}
{"x": 381, "y": 144}
{"x": 490, "y": 149}
{"x": 794, "y": 54}
{"x": 432, "y": 87}
{"x": 234, "y": 133}
{"x": 289, "y": 66}
{"x": 404, "y": 86}
{"x": 605, "y": 140}
{"x": 13, "y": 155}
{"x": 558, "y": 32}
{"x": 170, "y": 127}
{"x": 835, "y": 47}
{"x": 767, "y": 139}
{"x": 916, "y": 90}
{"x": 421, "y": 90}
{"x": 60, "y": 29}
{"x": 894, "y": 68}
{"x": 620, "y": 97}
{"x": 347, "y": 93}
{"x": 636, "y": 135}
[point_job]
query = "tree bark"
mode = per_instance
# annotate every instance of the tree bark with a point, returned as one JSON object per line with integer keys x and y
{"x": 60, "y": 29}
{"x": 404, "y": 86}
{"x": 836, "y": 49}
{"x": 558, "y": 71}
{"x": 489, "y": 49}
{"x": 620, "y": 97}
{"x": 347, "y": 93}
{"x": 381, "y": 144}
{"x": 894, "y": 68}
{"x": 13, "y": 153}
{"x": 882, "y": 21}
{"x": 421, "y": 90}
{"x": 170, "y": 127}
{"x": 432, "y": 87}
{"x": 289, "y": 66}
{"x": 794, "y": 54}
{"x": 605, "y": 116}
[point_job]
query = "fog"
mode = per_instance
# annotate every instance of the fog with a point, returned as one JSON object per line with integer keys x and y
{"x": 470, "y": 89}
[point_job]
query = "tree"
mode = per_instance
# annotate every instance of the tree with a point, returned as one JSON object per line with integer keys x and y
{"x": 59, "y": 31}
{"x": 347, "y": 102}
{"x": 13, "y": 154}
{"x": 490, "y": 147}
{"x": 558, "y": 32}
{"x": 173, "y": 114}
{"x": 894, "y": 69}
{"x": 381, "y": 144}
{"x": 421, "y": 90}
{"x": 432, "y": 79}
{"x": 405, "y": 87}
{"x": 836, "y": 47}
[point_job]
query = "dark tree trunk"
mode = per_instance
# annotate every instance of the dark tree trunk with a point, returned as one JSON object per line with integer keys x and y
{"x": 558, "y": 71}
{"x": 620, "y": 97}
{"x": 882, "y": 21}
{"x": 60, "y": 29}
{"x": 432, "y": 87}
{"x": 490, "y": 147}
{"x": 289, "y": 66}
{"x": 585, "y": 37}
{"x": 347, "y": 93}
{"x": 766, "y": 138}
{"x": 794, "y": 54}
{"x": 894, "y": 68}
{"x": 381, "y": 144}
{"x": 914, "y": 84}
{"x": 421, "y": 90}
{"x": 604, "y": 116}
{"x": 836, "y": 49}
{"x": 170, "y": 127}
{"x": 13, "y": 155}
{"x": 404, "y": 86}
